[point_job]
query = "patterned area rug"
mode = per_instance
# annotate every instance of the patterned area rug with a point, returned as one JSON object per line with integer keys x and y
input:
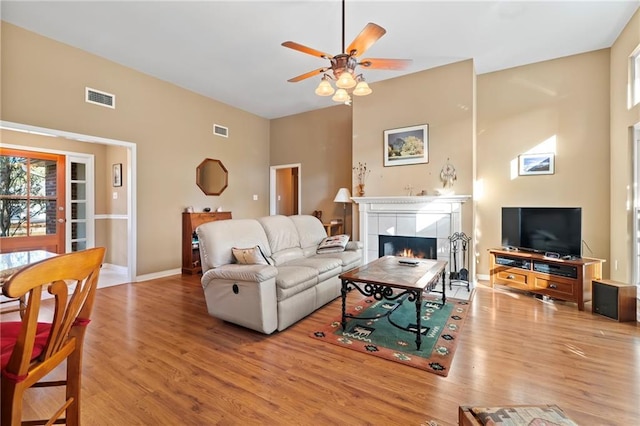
{"x": 440, "y": 331}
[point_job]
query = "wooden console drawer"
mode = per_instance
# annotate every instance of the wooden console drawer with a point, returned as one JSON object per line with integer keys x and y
{"x": 555, "y": 285}
{"x": 516, "y": 278}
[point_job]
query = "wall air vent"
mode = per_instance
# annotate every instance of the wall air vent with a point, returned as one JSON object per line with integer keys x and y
{"x": 97, "y": 97}
{"x": 220, "y": 131}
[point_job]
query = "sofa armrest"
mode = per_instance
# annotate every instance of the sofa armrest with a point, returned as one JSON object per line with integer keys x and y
{"x": 234, "y": 271}
{"x": 354, "y": 246}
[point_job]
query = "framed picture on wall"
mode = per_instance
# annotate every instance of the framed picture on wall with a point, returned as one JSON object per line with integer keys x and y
{"x": 406, "y": 145}
{"x": 536, "y": 164}
{"x": 117, "y": 174}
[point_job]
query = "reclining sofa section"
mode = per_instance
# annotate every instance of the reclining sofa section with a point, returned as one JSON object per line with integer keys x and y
{"x": 265, "y": 297}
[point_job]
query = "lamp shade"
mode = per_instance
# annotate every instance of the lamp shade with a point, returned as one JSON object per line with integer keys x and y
{"x": 362, "y": 89}
{"x": 343, "y": 196}
{"x": 341, "y": 96}
{"x": 346, "y": 80}
{"x": 324, "y": 88}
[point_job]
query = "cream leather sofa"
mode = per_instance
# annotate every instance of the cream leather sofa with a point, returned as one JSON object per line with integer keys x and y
{"x": 268, "y": 297}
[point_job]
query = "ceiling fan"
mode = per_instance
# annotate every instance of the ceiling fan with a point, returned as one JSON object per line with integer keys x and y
{"x": 343, "y": 66}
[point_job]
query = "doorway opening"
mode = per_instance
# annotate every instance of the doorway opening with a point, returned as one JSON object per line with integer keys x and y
{"x": 284, "y": 189}
{"x": 130, "y": 175}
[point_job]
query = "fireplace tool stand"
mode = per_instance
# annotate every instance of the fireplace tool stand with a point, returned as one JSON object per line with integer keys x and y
{"x": 458, "y": 255}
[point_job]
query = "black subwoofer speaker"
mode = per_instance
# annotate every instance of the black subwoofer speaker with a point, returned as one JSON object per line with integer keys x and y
{"x": 614, "y": 300}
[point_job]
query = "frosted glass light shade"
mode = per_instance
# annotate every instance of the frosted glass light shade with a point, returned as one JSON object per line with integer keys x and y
{"x": 343, "y": 196}
{"x": 324, "y": 88}
{"x": 346, "y": 80}
{"x": 341, "y": 96}
{"x": 362, "y": 89}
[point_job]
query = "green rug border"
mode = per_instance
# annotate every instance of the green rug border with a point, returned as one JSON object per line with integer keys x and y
{"x": 438, "y": 361}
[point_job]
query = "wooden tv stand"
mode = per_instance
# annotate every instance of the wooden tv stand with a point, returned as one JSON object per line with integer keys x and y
{"x": 562, "y": 279}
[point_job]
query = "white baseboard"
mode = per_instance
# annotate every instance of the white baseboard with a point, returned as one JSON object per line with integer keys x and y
{"x": 161, "y": 274}
{"x": 483, "y": 277}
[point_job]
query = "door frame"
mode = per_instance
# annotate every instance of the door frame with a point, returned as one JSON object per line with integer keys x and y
{"x": 272, "y": 186}
{"x": 130, "y": 175}
{"x": 635, "y": 240}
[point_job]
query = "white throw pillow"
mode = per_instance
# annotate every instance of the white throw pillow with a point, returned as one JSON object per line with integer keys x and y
{"x": 250, "y": 256}
{"x": 333, "y": 244}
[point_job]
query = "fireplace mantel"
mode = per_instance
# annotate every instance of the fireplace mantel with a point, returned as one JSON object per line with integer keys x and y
{"x": 412, "y": 199}
{"x": 426, "y": 216}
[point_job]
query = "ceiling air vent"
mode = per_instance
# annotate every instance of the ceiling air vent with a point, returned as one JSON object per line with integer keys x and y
{"x": 220, "y": 131}
{"x": 97, "y": 97}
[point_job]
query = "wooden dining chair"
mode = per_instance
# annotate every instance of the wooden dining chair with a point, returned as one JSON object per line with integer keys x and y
{"x": 32, "y": 348}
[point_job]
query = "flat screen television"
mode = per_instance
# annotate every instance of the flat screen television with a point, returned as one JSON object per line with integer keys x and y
{"x": 543, "y": 229}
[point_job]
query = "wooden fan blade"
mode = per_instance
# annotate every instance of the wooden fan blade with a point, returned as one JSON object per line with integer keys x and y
{"x": 369, "y": 35}
{"x": 304, "y": 49}
{"x": 385, "y": 64}
{"x": 307, "y": 75}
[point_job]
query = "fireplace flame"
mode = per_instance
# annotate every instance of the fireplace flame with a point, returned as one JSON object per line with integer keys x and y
{"x": 407, "y": 253}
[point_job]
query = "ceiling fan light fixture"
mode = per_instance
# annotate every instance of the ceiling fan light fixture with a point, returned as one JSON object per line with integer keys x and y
{"x": 346, "y": 80}
{"x": 341, "y": 96}
{"x": 362, "y": 89}
{"x": 324, "y": 88}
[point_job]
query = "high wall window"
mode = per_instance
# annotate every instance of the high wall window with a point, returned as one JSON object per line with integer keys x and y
{"x": 634, "y": 78}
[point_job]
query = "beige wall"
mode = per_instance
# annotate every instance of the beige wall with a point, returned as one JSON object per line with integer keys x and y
{"x": 562, "y": 105}
{"x": 321, "y": 142}
{"x": 621, "y": 152}
{"x": 43, "y": 84}
{"x": 443, "y": 98}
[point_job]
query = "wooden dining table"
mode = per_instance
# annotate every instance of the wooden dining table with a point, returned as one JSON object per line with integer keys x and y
{"x": 10, "y": 263}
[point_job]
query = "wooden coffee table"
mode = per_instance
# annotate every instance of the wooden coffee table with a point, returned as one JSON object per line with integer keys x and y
{"x": 397, "y": 279}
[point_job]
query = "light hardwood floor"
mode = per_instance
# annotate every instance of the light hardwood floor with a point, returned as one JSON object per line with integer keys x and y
{"x": 153, "y": 356}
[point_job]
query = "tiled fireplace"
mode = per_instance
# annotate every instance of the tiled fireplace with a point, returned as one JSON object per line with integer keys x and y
{"x": 429, "y": 217}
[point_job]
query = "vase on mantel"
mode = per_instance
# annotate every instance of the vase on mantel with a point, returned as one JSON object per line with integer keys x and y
{"x": 361, "y": 190}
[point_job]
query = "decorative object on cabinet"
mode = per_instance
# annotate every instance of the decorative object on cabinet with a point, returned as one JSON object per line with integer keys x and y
{"x": 459, "y": 247}
{"x": 212, "y": 177}
{"x": 536, "y": 164}
{"x": 343, "y": 196}
{"x": 406, "y": 145}
{"x": 117, "y": 175}
{"x": 564, "y": 279}
{"x": 190, "y": 244}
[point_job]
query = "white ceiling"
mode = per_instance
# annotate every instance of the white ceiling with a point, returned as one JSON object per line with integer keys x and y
{"x": 231, "y": 50}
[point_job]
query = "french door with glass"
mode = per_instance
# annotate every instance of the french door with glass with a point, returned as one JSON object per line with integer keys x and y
{"x": 32, "y": 201}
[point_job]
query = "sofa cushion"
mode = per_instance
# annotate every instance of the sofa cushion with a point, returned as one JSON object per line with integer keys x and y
{"x": 250, "y": 256}
{"x": 326, "y": 267}
{"x": 310, "y": 230}
{"x": 333, "y": 244}
{"x": 294, "y": 279}
{"x": 281, "y": 233}
{"x": 349, "y": 259}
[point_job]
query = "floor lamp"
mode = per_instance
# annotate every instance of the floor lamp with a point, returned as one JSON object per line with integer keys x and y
{"x": 343, "y": 196}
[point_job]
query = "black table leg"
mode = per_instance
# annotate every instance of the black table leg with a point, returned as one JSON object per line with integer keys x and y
{"x": 343, "y": 291}
{"x": 444, "y": 286}
{"x": 418, "y": 296}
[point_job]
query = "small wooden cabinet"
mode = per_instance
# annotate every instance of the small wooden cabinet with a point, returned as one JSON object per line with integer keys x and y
{"x": 562, "y": 279}
{"x": 190, "y": 245}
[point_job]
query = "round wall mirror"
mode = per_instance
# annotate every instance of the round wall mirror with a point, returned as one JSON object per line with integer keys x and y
{"x": 212, "y": 176}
